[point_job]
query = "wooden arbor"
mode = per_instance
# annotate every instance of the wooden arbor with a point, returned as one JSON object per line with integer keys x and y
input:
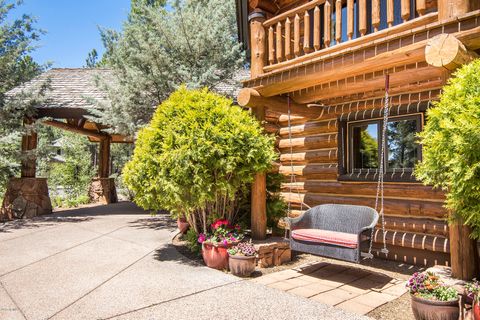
{"x": 66, "y": 107}
{"x": 296, "y": 56}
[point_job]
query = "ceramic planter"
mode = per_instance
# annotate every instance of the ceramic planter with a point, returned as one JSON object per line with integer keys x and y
{"x": 424, "y": 309}
{"x": 241, "y": 266}
{"x": 182, "y": 225}
{"x": 216, "y": 257}
{"x": 476, "y": 311}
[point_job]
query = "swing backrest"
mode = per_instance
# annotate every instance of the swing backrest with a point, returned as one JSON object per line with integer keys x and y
{"x": 339, "y": 217}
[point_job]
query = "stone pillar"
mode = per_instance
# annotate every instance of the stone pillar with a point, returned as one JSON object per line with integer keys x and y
{"x": 259, "y": 191}
{"x": 102, "y": 189}
{"x": 26, "y": 197}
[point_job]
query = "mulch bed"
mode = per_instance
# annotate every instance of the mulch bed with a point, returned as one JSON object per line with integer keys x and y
{"x": 399, "y": 309}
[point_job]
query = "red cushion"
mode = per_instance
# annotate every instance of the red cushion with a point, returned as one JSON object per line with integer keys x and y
{"x": 342, "y": 239}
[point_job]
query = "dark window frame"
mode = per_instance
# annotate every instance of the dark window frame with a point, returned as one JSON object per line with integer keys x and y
{"x": 345, "y": 159}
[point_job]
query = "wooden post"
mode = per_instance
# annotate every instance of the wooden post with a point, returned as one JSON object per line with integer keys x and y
{"x": 453, "y": 8}
{"x": 463, "y": 252}
{"x": 29, "y": 144}
{"x": 259, "y": 185}
{"x": 104, "y": 158}
{"x": 257, "y": 42}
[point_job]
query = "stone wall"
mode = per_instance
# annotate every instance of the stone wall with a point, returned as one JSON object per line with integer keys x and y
{"x": 26, "y": 198}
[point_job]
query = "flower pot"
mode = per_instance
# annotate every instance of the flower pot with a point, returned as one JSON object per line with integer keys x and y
{"x": 182, "y": 225}
{"x": 215, "y": 257}
{"x": 476, "y": 311}
{"x": 424, "y": 309}
{"x": 241, "y": 266}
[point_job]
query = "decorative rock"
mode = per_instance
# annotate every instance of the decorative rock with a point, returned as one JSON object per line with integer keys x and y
{"x": 102, "y": 190}
{"x": 25, "y": 198}
{"x": 273, "y": 252}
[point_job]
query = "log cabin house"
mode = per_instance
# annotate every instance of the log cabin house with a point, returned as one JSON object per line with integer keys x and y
{"x": 326, "y": 61}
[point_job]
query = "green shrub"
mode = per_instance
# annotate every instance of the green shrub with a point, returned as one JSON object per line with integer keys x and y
{"x": 192, "y": 241}
{"x": 451, "y": 140}
{"x": 196, "y": 155}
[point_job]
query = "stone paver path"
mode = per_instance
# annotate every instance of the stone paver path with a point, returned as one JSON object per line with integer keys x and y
{"x": 345, "y": 287}
{"x": 117, "y": 262}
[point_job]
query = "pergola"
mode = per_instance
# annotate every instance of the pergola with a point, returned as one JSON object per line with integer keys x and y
{"x": 68, "y": 101}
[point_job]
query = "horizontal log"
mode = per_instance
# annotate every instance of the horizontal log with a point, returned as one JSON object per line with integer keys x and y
{"x": 406, "y": 55}
{"x": 424, "y": 258}
{"x": 319, "y": 156}
{"x": 266, "y": 5}
{"x": 416, "y": 225}
{"x": 397, "y": 79}
{"x": 444, "y": 50}
{"x": 271, "y": 127}
{"x": 392, "y": 206}
{"x": 311, "y": 142}
{"x": 412, "y": 240}
{"x": 309, "y": 128}
{"x": 406, "y": 190}
{"x": 310, "y": 170}
{"x": 251, "y": 98}
{"x": 74, "y": 129}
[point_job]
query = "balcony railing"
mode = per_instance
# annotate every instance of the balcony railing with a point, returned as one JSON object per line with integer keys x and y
{"x": 320, "y": 24}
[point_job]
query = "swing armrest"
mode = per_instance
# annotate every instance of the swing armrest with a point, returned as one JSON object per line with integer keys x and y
{"x": 295, "y": 223}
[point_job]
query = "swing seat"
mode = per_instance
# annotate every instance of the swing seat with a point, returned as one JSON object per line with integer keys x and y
{"x": 333, "y": 230}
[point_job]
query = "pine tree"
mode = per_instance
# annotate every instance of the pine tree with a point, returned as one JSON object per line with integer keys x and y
{"x": 17, "y": 38}
{"x": 190, "y": 42}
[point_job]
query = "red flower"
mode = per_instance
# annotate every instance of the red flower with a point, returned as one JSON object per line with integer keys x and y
{"x": 217, "y": 224}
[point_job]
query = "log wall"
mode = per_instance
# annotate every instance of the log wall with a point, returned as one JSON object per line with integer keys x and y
{"x": 414, "y": 214}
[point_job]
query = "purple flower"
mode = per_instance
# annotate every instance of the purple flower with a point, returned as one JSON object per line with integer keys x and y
{"x": 225, "y": 242}
{"x": 201, "y": 238}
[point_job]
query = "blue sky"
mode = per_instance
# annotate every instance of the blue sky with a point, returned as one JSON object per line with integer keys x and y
{"x": 72, "y": 27}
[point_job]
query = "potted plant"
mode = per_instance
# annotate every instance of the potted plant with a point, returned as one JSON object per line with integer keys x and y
{"x": 223, "y": 235}
{"x": 242, "y": 258}
{"x": 431, "y": 299}
{"x": 472, "y": 290}
{"x": 182, "y": 224}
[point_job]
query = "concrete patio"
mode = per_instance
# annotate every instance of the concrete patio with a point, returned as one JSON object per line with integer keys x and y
{"x": 117, "y": 262}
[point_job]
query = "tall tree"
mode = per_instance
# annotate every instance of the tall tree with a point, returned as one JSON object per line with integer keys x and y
{"x": 191, "y": 42}
{"x": 17, "y": 38}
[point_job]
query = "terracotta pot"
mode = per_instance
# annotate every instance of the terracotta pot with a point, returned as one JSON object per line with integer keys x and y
{"x": 242, "y": 266}
{"x": 476, "y": 311}
{"x": 424, "y": 309}
{"x": 216, "y": 257}
{"x": 182, "y": 225}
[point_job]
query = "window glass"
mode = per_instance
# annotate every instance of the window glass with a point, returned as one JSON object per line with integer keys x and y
{"x": 402, "y": 144}
{"x": 365, "y": 146}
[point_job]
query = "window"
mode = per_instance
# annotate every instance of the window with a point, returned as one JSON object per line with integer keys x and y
{"x": 364, "y": 144}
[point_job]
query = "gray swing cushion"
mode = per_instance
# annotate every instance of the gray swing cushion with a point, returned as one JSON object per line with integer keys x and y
{"x": 333, "y": 230}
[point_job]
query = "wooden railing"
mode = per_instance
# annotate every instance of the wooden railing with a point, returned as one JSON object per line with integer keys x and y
{"x": 320, "y": 24}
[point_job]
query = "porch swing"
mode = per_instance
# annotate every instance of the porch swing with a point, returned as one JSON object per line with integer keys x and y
{"x": 339, "y": 231}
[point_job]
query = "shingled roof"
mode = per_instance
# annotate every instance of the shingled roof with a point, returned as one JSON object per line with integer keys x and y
{"x": 68, "y": 88}
{"x": 75, "y": 89}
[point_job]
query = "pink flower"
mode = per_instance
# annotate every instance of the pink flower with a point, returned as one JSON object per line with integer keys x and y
{"x": 225, "y": 242}
{"x": 201, "y": 238}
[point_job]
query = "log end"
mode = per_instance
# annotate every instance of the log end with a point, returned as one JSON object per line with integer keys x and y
{"x": 445, "y": 50}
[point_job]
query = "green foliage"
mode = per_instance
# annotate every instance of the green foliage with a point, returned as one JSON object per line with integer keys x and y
{"x": 75, "y": 174}
{"x": 192, "y": 43}
{"x": 17, "y": 38}
{"x": 368, "y": 150}
{"x": 198, "y": 152}
{"x": 276, "y": 205}
{"x": 69, "y": 202}
{"x": 192, "y": 241}
{"x": 451, "y": 156}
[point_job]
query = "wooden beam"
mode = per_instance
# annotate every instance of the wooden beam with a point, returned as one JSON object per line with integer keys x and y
{"x": 75, "y": 129}
{"x": 376, "y": 83}
{"x": 258, "y": 214}
{"x": 29, "y": 144}
{"x": 266, "y": 5}
{"x": 454, "y": 8}
{"x": 104, "y": 158}
{"x": 445, "y": 50}
{"x": 251, "y": 98}
{"x": 464, "y": 255}
{"x": 406, "y": 55}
